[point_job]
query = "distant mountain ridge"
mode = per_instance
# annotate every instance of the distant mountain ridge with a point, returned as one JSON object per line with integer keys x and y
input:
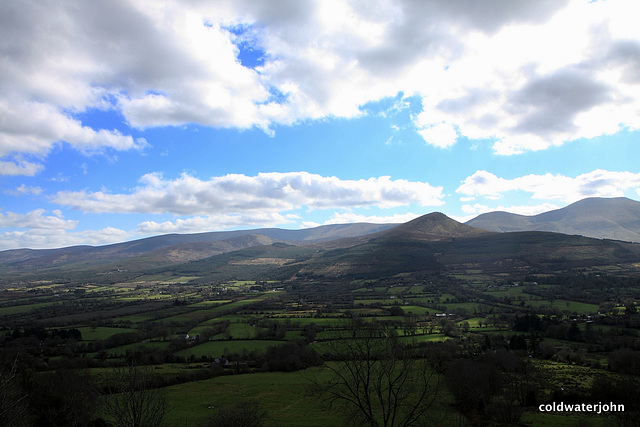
{"x": 432, "y": 242}
{"x": 603, "y": 218}
{"x": 181, "y": 247}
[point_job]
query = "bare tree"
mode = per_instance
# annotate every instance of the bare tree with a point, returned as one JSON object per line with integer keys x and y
{"x": 375, "y": 379}
{"x": 132, "y": 401}
{"x": 14, "y": 400}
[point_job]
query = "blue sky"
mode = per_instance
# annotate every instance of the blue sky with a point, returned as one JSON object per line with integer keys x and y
{"x": 126, "y": 119}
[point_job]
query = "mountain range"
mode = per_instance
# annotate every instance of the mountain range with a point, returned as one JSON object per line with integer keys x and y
{"x": 176, "y": 248}
{"x": 602, "y": 218}
{"x": 495, "y": 243}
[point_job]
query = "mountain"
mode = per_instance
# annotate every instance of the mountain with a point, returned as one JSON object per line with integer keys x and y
{"x": 602, "y": 218}
{"x": 430, "y": 244}
{"x": 173, "y": 248}
{"x": 433, "y": 227}
{"x": 435, "y": 243}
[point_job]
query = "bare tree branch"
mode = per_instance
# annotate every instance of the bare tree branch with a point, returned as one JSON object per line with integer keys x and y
{"x": 131, "y": 399}
{"x": 374, "y": 378}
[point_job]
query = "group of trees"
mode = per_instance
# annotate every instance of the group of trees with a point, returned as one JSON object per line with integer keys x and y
{"x": 66, "y": 398}
{"x": 376, "y": 380}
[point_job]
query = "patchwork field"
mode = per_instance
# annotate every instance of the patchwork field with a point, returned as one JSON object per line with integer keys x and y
{"x": 211, "y": 346}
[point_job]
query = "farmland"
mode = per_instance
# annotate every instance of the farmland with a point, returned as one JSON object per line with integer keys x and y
{"x": 212, "y": 344}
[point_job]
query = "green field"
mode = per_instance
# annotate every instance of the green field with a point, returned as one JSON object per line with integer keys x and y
{"x": 234, "y": 321}
{"x": 122, "y": 350}
{"x": 219, "y": 348}
{"x": 283, "y": 395}
{"x": 570, "y": 306}
{"x": 101, "y": 332}
{"x": 24, "y": 308}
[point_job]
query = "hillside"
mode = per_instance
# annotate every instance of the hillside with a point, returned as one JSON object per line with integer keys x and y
{"x": 513, "y": 254}
{"x": 602, "y": 218}
{"x": 174, "y": 248}
{"x": 430, "y": 244}
{"x": 433, "y": 227}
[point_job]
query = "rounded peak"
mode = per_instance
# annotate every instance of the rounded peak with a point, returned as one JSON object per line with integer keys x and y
{"x": 434, "y": 226}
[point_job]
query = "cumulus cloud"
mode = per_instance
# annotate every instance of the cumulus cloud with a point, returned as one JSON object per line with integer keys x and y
{"x": 214, "y": 222}
{"x": 36, "y": 220}
{"x": 441, "y": 135}
{"x": 477, "y": 209}
{"x": 32, "y": 127}
{"x": 25, "y": 189}
{"x": 19, "y": 167}
{"x": 39, "y": 238}
{"x": 350, "y": 217}
{"x": 598, "y": 183}
{"x": 527, "y": 74}
{"x": 528, "y": 87}
{"x": 37, "y": 230}
{"x": 267, "y": 192}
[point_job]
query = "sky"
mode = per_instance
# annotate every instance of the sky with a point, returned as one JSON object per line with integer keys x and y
{"x": 132, "y": 118}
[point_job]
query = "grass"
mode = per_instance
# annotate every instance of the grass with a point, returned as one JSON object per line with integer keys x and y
{"x": 567, "y": 376}
{"x": 371, "y": 301}
{"x": 510, "y": 292}
{"x": 181, "y": 279}
{"x": 571, "y": 306}
{"x": 209, "y": 304}
{"x": 424, "y": 338}
{"x": 24, "y": 308}
{"x": 544, "y": 419}
{"x": 469, "y": 306}
{"x": 218, "y": 348}
{"x": 120, "y": 351}
{"x": 320, "y": 321}
{"x": 282, "y": 395}
{"x": 240, "y": 331}
{"x": 416, "y": 309}
{"x": 101, "y": 332}
{"x": 474, "y": 322}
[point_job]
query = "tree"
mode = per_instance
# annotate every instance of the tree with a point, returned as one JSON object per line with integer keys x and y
{"x": 242, "y": 414}
{"x": 473, "y": 384}
{"x": 131, "y": 399}
{"x": 375, "y": 379}
{"x": 14, "y": 400}
{"x": 73, "y": 408}
{"x": 290, "y": 356}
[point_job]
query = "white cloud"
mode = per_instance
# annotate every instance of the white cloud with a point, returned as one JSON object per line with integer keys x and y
{"x": 350, "y": 217}
{"x": 39, "y": 238}
{"x": 19, "y": 167}
{"x": 442, "y": 135}
{"x": 527, "y": 74}
{"x": 478, "y": 209}
{"x": 37, "y": 230}
{"x": 36, "y": 220}
{"x": 266, "y": 192}
{"x": 529, "y": 87}
{"x": 26, "y": 189}
{"x": 212, "y": 223}
{"x": 33, "y": 127}
{"x": 598, "y": 183}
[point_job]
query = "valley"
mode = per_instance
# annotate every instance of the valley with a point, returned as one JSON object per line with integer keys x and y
{"x": 553, "y": 317}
